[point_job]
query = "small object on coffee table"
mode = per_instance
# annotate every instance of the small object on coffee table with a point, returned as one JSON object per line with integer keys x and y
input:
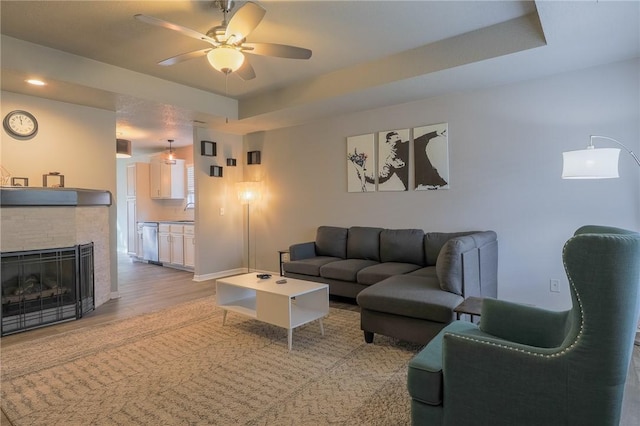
{"x": 471, "y": 306}
{"x": 281, "y": 282}
{"x": 264, "y": 276}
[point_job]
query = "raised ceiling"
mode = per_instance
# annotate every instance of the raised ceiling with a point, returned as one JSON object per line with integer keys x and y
{"x": 366, "y": 54}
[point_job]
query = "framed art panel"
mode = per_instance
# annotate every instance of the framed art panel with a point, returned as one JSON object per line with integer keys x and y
{"x": 393, "y": 160}
{"x": 361, "y": 162}
{"x": 431, "y": 156}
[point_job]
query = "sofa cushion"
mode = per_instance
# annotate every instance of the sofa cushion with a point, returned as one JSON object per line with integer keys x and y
{"x": 410, "y": 296}
{"x": 402, "y": 246}
{"x": 427, "y": 271}
{"x": 309, "y": 266}
{"x": 345, "y": 270}
{"x": 424, "y": 376}
{"x": 331, "y": 241}
{"x": 363, "y": 243}
{"x": 373, "y": 274}
{"x": 449, "y": 263}
{"x": 433, "y": 242}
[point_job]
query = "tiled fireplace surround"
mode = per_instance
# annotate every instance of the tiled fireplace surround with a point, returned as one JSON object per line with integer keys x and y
{"x": 37, "y": 228}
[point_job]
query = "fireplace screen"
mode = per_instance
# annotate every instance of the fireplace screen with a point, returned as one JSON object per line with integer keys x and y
{"x": 46, "y": 286}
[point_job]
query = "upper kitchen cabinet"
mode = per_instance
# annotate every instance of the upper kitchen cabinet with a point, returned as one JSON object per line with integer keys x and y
{"x": 167, "y": 180}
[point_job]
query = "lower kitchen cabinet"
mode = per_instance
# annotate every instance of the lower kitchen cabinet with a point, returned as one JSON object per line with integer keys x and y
{"x": 189, "y": 246}
{"x": 176, "y": 245}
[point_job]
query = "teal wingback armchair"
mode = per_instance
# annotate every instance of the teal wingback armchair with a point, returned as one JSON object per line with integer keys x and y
{"x": 528, "y": 366}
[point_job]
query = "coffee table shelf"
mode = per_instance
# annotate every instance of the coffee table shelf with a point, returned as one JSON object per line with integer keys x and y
{"x": 288, "y": 305}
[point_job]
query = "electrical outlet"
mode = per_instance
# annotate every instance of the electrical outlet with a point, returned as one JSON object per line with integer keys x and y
{"x": 554, "y": 286}
{"x": 221, "y": 211}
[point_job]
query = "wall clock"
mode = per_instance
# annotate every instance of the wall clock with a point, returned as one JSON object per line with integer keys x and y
{"x": 20, "y": 124}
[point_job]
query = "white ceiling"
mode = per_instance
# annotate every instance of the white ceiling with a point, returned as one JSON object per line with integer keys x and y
{"x": 366, "y": 54}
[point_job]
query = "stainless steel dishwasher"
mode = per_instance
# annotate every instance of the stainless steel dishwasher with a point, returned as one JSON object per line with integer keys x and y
{"x": 150, "y": 241}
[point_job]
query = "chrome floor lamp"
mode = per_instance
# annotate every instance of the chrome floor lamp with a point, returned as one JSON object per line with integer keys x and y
{"x": 248, "y": 192}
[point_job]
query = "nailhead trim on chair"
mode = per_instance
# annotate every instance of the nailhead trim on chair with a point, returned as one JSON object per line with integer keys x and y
{"x": 524, "y": 351}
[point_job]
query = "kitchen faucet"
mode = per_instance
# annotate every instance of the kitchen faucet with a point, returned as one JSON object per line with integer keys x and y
{"x": 187, "y": 206}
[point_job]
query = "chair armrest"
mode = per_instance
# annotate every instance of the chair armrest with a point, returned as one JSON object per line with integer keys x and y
{"x": 302, "y": 251}
{"x": 523, "y": 324}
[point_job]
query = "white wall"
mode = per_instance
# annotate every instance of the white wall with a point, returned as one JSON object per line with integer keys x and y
{"x": 505, "y": 148}
{"x": 76, "y": 141}
{"x": 218, "y": 213}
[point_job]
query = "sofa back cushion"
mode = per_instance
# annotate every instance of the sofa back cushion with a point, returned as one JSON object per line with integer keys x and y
{"x": 402, "y": 245}
{"x": 331, "y": 241}
{"x": 363, "y": 243}
{"x": 433, "y": 242}
{"x": 449, "y": 264}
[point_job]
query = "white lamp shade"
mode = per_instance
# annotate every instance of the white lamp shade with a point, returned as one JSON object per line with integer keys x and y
{"x": 225, "y": 59}
{"x": 591, "y": 163}
{"x": 248, "y": 192}
{"x": 123, "y": 148}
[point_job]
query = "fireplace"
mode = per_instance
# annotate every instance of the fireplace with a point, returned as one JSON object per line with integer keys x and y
{"x": 42, "y": 287}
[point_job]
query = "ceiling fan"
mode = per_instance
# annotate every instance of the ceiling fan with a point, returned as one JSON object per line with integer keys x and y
{"x": 228, "y": 40}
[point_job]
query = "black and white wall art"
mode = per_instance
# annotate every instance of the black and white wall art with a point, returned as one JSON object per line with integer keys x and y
{"x": 361, "y": 163}
{"x": 393, "y": 160}
{"x": 431, "y": 156}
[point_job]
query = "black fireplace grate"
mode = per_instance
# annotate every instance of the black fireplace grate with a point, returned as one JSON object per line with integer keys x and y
{"x": 42, "y": 287}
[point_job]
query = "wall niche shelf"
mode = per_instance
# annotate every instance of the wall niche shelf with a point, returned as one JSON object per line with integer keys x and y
{"x": 208, "y": 148}
{"x": 231, "y": 162}
{"x": 253, "y": 157}
{"x": 215, "y": 171}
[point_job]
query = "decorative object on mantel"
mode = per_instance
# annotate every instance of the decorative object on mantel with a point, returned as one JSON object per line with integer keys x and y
{"x": 362, "y": 160}
{"x": 19, "y": 181}
{"x": 56, "y": 176}
{"x": 215, "y": 171}
{"x": 20, "y": 125}
{"x": 123, "y": 148}
{"x": 393, "y": 155}
{"x": 208, "y": 148}
{"x": 5, "y": 175}
{"x": 592, "y": 163}
{"x": 231, "y": 162}
{"x": 253, "y": 157}
{"x": 431, "y": 156}
{"x": 170, "y": 157}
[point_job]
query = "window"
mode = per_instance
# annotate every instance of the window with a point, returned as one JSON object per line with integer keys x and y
{"x": 191, "y": 188}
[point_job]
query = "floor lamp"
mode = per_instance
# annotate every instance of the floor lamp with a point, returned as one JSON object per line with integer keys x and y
{"x": 248, "y": 192}
{"x": 592, "y": 163}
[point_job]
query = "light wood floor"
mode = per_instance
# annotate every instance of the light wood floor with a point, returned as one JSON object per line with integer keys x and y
{"x": 146, "y": 288}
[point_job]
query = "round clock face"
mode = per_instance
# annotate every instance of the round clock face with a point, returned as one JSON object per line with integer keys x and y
{"x": 20, "y": 124}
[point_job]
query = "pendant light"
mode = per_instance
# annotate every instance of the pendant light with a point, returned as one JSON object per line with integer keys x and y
{"x": 170, "y": 158}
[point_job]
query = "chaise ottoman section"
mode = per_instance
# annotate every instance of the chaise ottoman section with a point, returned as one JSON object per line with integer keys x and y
{"x": 411, "y": 296}
{"x": 408, "y": 307}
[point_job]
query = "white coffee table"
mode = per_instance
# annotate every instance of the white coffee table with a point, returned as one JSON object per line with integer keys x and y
{"x": 288, "y": 305}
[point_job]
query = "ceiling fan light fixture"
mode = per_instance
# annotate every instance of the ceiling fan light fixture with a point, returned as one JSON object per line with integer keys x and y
{"x": 225, "y": 59}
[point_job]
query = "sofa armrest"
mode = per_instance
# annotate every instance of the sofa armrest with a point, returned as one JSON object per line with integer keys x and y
{"x": 523, "y": 324}
{"x": 302, "y": 251}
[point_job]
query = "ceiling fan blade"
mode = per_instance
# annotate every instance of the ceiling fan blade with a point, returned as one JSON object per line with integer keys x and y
{"x": 245, "y": 20}
{"x": 246, "y": 71}
{"x": 175, "y": 27}
{"x": 278, "y": 50}
{"x": 184, "y": 57}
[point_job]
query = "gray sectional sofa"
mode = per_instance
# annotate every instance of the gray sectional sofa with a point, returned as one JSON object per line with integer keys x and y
{"x": 406, "y": 282}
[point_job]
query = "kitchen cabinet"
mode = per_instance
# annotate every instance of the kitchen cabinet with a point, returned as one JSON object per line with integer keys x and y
{"x": 164, "y": 243}
{"x": 132, "y": 228}
{"x": 189, "y": 246}
{"x": 171, "y": 244}
{"x": 166, "y": 181}
{"x": 139, "y": 206}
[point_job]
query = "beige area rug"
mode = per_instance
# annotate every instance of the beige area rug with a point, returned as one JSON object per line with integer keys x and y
{"x": 180, "y": 366}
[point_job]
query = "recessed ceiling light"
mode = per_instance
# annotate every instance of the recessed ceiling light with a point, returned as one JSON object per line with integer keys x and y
{"x": 36, "y": 82}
